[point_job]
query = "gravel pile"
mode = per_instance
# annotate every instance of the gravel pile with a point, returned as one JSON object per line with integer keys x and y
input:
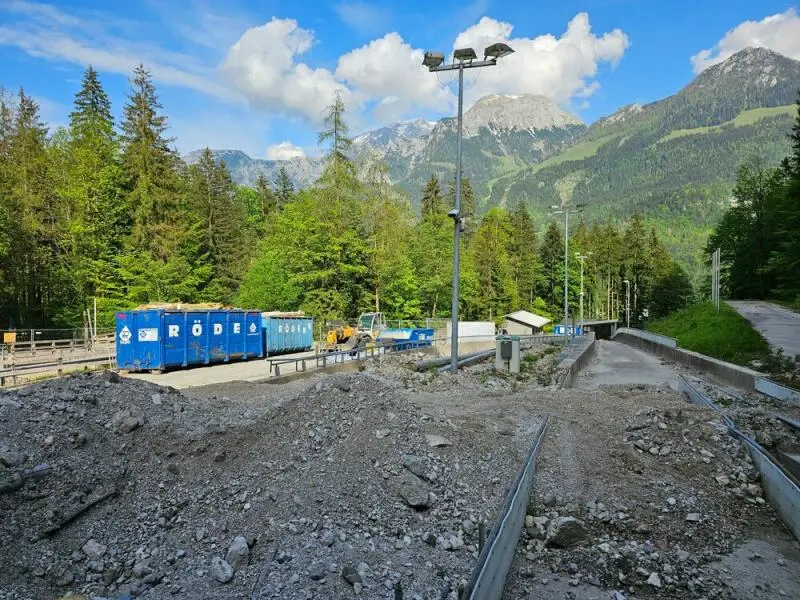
{"x": 328, "y": 488}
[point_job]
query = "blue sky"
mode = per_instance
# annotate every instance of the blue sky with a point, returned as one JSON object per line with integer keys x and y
{"x": 257, "y": 75}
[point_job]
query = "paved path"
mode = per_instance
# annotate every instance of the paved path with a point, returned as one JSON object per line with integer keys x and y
{"x": 780, "y": 326}
{"x": 619, "y": 364}
{"x": 250, "y": 370}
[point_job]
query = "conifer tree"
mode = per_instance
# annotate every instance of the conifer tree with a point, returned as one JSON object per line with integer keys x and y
{"x": 283, "y": 186}
{"x": 150, "y": 166}
{"x": 523, "y": 255}
{"x": 431, "y": 202}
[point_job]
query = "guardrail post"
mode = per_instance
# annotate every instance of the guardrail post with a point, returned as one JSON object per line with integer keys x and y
{"x": 277, "y": 370}
{"x": 304, "y": 366}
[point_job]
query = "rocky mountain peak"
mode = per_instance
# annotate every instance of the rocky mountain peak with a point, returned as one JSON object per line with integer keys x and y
{"x": 758, "y": 67}
{"x": 526, "y": 112}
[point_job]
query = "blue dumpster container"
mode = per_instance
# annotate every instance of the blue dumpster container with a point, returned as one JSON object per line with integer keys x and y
{"x": 287, "y": 334}
{"x": 161, "y": 338}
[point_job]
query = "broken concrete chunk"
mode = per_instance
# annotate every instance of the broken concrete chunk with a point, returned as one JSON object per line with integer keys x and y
{"x": 437, "y": 441}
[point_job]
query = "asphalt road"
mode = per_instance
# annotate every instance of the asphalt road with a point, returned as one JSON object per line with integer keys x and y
{"x": 780, "y": 326}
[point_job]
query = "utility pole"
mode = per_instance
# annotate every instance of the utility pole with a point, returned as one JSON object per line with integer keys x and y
{"x": 566, "y": 210}
{"x": 464, "y": 58}
{"x": 582, "y": 258}
{"x": 627, "y": 303}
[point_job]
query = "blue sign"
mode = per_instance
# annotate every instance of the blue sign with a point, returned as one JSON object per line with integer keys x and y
{"x": 578, "y": 330}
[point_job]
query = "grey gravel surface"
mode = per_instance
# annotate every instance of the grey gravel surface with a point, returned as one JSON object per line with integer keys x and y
{"x": 323, "y": 488}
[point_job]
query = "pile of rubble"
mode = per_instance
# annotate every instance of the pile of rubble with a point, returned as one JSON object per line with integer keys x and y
{"x": 660, "y": 540}
{"x": 343, "y": 487}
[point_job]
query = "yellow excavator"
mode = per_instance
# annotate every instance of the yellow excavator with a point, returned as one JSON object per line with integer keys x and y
{"x": 340, "y": 336}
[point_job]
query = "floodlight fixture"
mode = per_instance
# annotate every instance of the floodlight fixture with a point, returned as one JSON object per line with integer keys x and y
{"x": 498, "y": 50}
{"x": 433, "y": 59}
{"x": 463, "y": 54}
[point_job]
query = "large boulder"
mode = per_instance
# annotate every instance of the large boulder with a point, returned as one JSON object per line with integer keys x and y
{"x": 563, "y": 532}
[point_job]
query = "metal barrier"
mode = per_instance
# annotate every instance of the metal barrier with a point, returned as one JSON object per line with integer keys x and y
{"x": 647, "y": 335}
{"x": 489, "y": 576}
{"x": 778, "y": 391}
{"x": 779, "y": 486}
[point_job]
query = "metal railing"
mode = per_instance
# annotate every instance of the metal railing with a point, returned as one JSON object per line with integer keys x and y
{"x": 780, "y": 488}
{"x": 647, "y": 335}
{"x": 489, "y": 576}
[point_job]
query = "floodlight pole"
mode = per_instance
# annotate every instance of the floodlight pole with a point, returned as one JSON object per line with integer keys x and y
{"x": 566, "y": 210}
{"x": 582, "y": 258}
{"x": 459, "y": 66}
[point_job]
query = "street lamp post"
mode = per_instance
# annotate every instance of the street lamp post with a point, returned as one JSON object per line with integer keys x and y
{"x": 627, "y": 302}
{"x": 582, "y": 258}
{"x": 566, "y": 210}
{"x": 464, "y": 58}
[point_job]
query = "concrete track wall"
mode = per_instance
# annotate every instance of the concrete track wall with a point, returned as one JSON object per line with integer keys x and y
{"x": 579, "y": 357}
{"x": 734, "y": 375}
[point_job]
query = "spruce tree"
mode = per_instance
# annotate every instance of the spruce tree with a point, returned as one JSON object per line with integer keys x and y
{"x": 283, "y": 187}
{"x": 31, "y": 206}
{"x": 552, "y": 255}
{"x": 150, "y": 165}
{"x": 523, "y": 255}
{"x": 219, "y": 217}
{"x": 496, "y": 292}
{"x": 785, "y": 260}
{"x": 268, "y": 201}
{"x": 91, "y": 188}
{"x": 431, "y": 202}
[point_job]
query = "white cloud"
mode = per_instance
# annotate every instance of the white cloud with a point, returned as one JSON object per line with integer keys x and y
{"x": 390, "y": 72}
{"x": 779, "y": 32}
{"x": 284, "y": 151}
{"x": 560, "y": 68}
{"x": 47, "y": 32}
{"x": 261, "y": 65}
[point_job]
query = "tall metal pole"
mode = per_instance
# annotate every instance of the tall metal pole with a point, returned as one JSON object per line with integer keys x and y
{"x": 457, "y": 226}
{"x": 566, "y": 271}
{"x": 627, "y": 303}
{"x": 582, "y": 258}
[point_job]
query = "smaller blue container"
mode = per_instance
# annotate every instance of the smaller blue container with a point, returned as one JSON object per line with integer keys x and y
{"x": 287, "y": 334}
{"x": 160, "y": 338}
{"x": 413, "y": 338}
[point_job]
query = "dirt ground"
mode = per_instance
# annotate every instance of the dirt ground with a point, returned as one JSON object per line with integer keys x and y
{"x": 351, "y": 485}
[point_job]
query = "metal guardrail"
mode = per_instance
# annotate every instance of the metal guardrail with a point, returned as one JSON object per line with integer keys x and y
{"x": 325, "y": 359}
{"x": 489, "y": 576}
{"x": 647, "y": 335}
{"x": 778, "y": 391}
{"x": 780, "y": 487}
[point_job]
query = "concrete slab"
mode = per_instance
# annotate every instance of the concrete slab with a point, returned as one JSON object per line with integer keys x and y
{"x": 780, "y": 326}
{"x": 620, "y": 364}
{"x": 251, "y": 370}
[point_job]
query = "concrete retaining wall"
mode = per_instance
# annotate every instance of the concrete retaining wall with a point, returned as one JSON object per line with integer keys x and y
{"x": 578, "y": 359}
{"x": 734, "y": 375}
